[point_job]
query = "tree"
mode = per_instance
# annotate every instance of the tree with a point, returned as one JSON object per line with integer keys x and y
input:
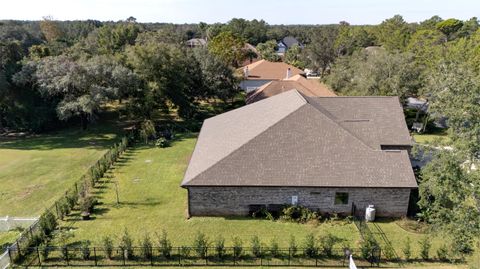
{"x": 377, "y": 73}
{"x": 320, "y": 53}
{"x": 455, "y": 91}
{"x": 268, "y": 50}
{"x": 110, "y": 39}
{"x": 80, "y": 86}
{"x": 167, "y": 77}
{"x": 449, "y": 27}
{"x": 450, "y": 198}
{"x": 427, "y": 45}
{"x": 51, "y": 29}
{"x": 228, "y": 47}
{"x": 218, "y": 79}
{"x": 394, "y": 33}
{"x": 293, "y": 56}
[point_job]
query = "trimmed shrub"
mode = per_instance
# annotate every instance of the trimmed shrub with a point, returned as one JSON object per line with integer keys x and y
{"x": 146, "y": 247}
{"x": 237, "y": 246}
{"x": 85, "y": 247}
{"x": 256, "y": 246}
{"x": 274, "y": 248}
{"x": 442, "y": 253}
{"x": 425, "y": 246}
{"x": 107, "y": 246}
{"x": 310, "y": 249}
{"x": 126, "y": 245}
{"x": 44, "y": 251}
{"x": 407, "y": 249}
{"x": 293, "y": 246}
{"x": 185, "y": 252}
{"x": 201, "y": 244}
{"x": 165, "y": 245}
{"x": 367, "y": 246}
{"x": 327, "y": 242}
{"x": 220, "y": 247}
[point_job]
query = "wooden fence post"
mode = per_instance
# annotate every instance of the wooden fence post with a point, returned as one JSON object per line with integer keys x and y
{"x": 95, "y": 255}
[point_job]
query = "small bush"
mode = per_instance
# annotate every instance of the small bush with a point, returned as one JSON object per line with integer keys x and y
{"x": 87, "y": 204}
{"x": 220, "y": 247}
{"x": 85, "y": 247}
{"x": 146, "y": 247}
{"x": 185, "y": 252}
{"x": 201, "y": 245}
{"x": 126, "y": 245}
{"x": 162, "y": 142}
{"x": 293, "y": 246}
{"x": 425, "y": 246}
{"x": 44, "y": 251}
{"x": 165, "y": 245}
{"x": 299, "y": 214}
{"x": 274, "y": 248}
{"x": 407, "y": 249}
{"x": 256, "y": 246}
{"x": 367, "y": 246}
{"x": 237, "y": 246}
{"x": 442, "y": 253}
{"x": 327, "y": 242}
{"x": 389, "y": 253}
{"x": 107, "y": 246}
{"x": 310, "y": 249}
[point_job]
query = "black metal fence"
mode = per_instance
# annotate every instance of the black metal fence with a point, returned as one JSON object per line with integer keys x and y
{"x": 182, "y": 256}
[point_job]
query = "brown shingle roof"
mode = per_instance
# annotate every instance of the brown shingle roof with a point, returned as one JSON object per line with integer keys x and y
{"x": 304, "y": 86}
{"x": 298, "y": 144}
{"x": 265, "y": 70}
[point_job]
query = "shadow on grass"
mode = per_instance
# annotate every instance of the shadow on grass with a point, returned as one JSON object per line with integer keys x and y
{"x": 94, "y": 138}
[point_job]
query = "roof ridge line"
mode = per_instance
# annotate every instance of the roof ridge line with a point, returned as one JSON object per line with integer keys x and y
{"x": 244, "y": 144}
{"x": 334, "y": 120}
{"x": 248, "y": 141}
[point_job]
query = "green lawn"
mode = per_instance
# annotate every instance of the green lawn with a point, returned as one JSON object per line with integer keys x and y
{"x": 152, "y": 200}
{"x": 35, "y": 171}
{"x": 397, "y": 235}
{"x": 438, "y": 138}
{"x": 6, "y": 238}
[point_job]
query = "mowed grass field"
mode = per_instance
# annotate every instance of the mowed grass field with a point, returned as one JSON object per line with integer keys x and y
{"x": 151, "y": 200}
{"x": 35, "y": 171}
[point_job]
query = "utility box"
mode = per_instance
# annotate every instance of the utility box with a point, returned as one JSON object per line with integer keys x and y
{"x": 370, "y": 213}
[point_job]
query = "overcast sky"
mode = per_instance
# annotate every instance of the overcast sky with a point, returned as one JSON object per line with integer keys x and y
{"x": 210, "y": 11}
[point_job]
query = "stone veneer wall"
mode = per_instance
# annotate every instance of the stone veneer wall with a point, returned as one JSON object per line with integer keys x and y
{"x": 224, "y": 201}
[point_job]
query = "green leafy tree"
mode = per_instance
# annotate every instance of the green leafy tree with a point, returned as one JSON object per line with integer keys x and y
{"x": 293, "y": 56}
{"x": 378, "y": 73}
{"x": 394, "y": 33}
{"x": 168, "y": 79}
{"x": 320, "y": 53}
{"x": 80, "y": 86}
{"x": 449, "y": 27}
{"x": 268, "y": 52}
{"x": 228, "y": 47}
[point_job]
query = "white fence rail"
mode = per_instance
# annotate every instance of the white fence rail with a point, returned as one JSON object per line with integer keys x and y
{"x": 9, "y": 223}
{"x": 4, "y": 260}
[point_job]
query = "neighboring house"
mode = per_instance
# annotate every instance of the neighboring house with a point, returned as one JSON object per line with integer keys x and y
{"x": 259, "y": 73}
{"x": 196, "y": 42}
{"x": 324, "y": 153}
{"x": 286, "y": 43}
{"x": 307, "y": 87}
